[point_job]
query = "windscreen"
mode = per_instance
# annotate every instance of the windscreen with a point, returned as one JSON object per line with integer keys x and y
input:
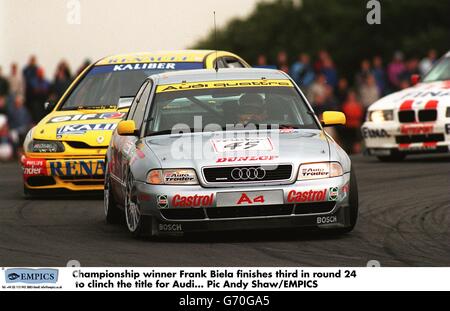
{"x": 102, "y": 86}
{"x": 207, "y": 108}
{"x": 440, "y": 72}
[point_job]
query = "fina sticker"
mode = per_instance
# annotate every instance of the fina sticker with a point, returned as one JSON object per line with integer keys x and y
{"x": 79, "y": 129}
{"x": 162, "y": 201}
{"x": 333, "y": 194}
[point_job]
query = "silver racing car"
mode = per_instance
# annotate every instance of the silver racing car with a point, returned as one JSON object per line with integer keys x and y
{"x": 230, "y": 149}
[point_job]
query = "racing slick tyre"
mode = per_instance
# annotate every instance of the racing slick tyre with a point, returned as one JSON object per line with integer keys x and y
{"x": 353, "y": 206}
{"x": 140, "y": 226}
{"x": 27, "y": 193}
{"x": 112, "y": 212}
{"x": 394, "y": 157}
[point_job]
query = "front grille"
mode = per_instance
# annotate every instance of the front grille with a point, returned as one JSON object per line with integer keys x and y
{"x": 39, "y": 181}
{"x": 427, "y": 115}
{"x": 83, "y": 145}
{"x": 314, "y": 208}
{"x": 248, "y": 174}
{"x": 406, "y": 116}
{"x": 253, "y": 211}
{"x": 177, "y": 214}
{"x": 422, "y": 138}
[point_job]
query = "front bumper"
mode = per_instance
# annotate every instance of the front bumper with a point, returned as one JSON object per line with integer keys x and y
{"x": 328, "y": 209}
{"x": 75, "y": 174}
{"x": 387, "y": 138}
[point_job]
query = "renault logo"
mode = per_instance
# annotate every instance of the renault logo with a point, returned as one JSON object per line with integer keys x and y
{"x": 248, "y": 173}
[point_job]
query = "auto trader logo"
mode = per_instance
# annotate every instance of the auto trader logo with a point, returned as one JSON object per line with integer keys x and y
{"x": 31, "y": 276}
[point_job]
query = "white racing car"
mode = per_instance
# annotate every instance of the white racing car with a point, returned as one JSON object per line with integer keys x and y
{"x": 414, "y": 120}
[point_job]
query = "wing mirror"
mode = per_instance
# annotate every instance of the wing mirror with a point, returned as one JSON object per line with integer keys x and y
{"x": 125, "y": 102}
{"x": 332, "y": 118}
{"x": 48, "y": 106}
{"x": 127, "y": 128}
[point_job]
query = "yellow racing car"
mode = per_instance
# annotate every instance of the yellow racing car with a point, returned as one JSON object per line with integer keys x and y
{"x": 66, "y": 149}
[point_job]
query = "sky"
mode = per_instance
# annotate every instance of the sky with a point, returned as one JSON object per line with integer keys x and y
{"x": 80, "y": 29}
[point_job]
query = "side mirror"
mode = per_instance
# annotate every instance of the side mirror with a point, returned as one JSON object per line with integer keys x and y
{"x": 127, "y": 128}
{"x": 48, "y": 106}
{"x": 331, "y": 118}
{"x": 415, "y": 79}
{"x": 125, "y": 102}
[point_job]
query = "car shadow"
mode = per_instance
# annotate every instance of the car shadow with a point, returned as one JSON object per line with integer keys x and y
{"x": 253, "y": 236}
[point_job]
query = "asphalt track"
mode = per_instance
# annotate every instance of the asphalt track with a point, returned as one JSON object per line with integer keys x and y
{"x": 404, "y": 221}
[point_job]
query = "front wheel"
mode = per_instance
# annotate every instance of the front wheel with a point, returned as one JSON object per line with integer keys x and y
{"x": 112, "y": 212}
{"x": 394, "y": 157}
{"x": 139, "y": 225}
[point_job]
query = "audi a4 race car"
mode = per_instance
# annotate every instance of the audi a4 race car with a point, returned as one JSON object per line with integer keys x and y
{"x": 66, "y": 150}
{"x": 232, "y": 149}
{"x": 412, "y": 121}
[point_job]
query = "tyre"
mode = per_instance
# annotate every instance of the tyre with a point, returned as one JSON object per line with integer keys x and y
{"x": 27, "y": 193}
{"x": 140, "y": 226}
{"x": 394, "y": 157}
{"x": 112, "y": 212}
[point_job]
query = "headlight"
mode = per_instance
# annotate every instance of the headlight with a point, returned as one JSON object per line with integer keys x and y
{"x": 172, "y": 177}
{"x": 43, "y": 146}
{"x": 320, "y": 170}
{"x": 380, "y": 115}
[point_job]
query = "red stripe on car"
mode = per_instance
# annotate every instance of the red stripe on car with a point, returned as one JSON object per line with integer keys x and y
{"x": 432, "y": 104}
{"x": 430, "y": 144}
{"x": 407, "y": 105}
{"x": 403, "y": 146}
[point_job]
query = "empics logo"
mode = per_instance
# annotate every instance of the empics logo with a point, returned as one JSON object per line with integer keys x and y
{"x": 31, "y": 276}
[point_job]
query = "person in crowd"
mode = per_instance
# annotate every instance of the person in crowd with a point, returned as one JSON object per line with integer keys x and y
{"x": 369, "y": 92}
{"x": 83, "y": 66}
{"x": 6, "y": 149}
{"x": 395, "y": 68}
{"x": 302, "y": 72}
{"x": 364, "y": 71}
{"x": 64, "y": 67}
{"x": 261, "y": 62}
{"x": 4, "y": 84}
{"x": 19, "y": 122}
{"x": 330, "y": 72}
{"x": 380, "y": 75}
{"x": 318, "y": 88}
{"x": 40, "y": 89}
{"x": 322, "y": 56}
{"x": 282, "y": 61}
{"x": 350, "y": 134}
{"x": 411, "y": 68}
{"x": 29, "y": 75}
{"x": 427, "y": 62}
{"x": 15, "y": 80}
{"x": 341, "y": 91}
{"x": 61, "y": 82}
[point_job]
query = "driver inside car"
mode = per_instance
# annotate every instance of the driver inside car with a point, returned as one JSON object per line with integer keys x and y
{"x": 252, "y": 109}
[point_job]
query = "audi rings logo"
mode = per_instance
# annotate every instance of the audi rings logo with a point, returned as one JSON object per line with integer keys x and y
{"x": 248, "y": 173}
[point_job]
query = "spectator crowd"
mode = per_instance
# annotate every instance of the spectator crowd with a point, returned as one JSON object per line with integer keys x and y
{"x": 326, "y": 89}
{"x": 23, "y": 93}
